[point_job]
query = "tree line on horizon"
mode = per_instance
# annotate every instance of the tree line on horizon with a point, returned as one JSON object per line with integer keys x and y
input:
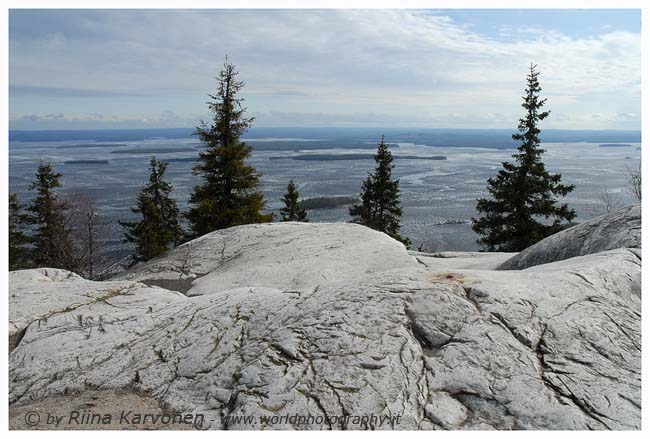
{"x": 228, "y": 195}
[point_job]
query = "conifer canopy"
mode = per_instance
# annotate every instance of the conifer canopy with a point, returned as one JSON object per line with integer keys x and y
{"x": 51, "y": 243}
{"x": 19, "y": 253}
{"x": 159, "y": 226}
{"x": 292, "y": 210}
{"x": 229, "y": 193}
{"x": 379, "y": 207}
{"x": 523, "y": 206}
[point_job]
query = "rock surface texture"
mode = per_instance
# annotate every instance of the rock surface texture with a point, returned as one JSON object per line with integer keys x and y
{"x": 296, "y": 256}
{"x": 37, "y": 295}
{"x": 619, "y": 229}
{"x": 337, "y": 321}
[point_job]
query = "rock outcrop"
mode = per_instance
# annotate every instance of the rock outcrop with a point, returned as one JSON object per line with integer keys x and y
{"x": 36, "y": 295}
{"x": 619, "y": 229}
{"x": 337, "y": 321}
{"x": 478, "y": 260}
{"x": 296, "y": 256}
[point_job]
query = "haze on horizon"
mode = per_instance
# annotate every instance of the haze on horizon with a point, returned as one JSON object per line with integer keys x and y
{"x": 93, "y": 69}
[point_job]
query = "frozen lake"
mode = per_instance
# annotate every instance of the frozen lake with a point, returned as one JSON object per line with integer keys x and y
{"x": 438, "y": 196}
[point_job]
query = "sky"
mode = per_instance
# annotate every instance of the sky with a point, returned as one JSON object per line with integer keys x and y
{"x": 101, "y": 69}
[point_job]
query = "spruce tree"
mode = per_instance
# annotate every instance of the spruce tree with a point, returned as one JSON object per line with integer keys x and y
{"x": 229, "y": 194}
{"x": 361, "y": 213}
{"x": 379, "y": 208}
{"x": 523, "y": 194}
{"x": 159, "y": 225}
{"x": 292, "y": 210}
{"x": 51, "y": 242}
{"x": 18, "y": 253}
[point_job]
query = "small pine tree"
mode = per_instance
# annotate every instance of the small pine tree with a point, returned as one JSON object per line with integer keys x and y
{"x": 18, "y": 253}
{"x": 229, "y": 194}
{"x": 292, "y": 210}
{"x": 524, "y": 191}
{"x": 379, "y": 208}
{"x": 52, "y": 246}
{"x": 159, "y": 227}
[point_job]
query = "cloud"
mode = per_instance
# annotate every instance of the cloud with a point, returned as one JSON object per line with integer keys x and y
{"x": 164, "y": 119}
{"x": 30, "y": 90}
{"x": 399, "y": 62}
{"x": 170, "y": 119}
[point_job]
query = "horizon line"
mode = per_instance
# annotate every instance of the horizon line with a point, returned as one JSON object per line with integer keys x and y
{"x": 322, "y": 127}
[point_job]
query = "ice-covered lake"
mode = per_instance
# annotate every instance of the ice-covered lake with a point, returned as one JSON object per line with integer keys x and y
{"x": 438, "y": 196}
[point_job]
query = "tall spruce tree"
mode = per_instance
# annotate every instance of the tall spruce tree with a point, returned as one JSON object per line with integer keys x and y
{"x": 51, "y": 243}
{"x": 292, "y": 210}
{"x": 522, "y": 193}
{"x": 379, "y": 208}
{"x": 159, "y": 225}
{"x": 18, "y": 252}
{"x": 229, "y": 194}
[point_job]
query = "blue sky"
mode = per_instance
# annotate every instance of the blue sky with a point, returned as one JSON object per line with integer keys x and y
{"x": 72, "y": 69}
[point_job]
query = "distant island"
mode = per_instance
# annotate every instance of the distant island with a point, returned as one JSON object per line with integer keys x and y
{"x": 331, "y": 157}
{"x": 332, "y": 137}
{"x": 613, "y": 145}
{"x": 91, "y": 145}
{"x": 297, "y": 144}
{"x": 327, "y": 202}
{"x": 311, "y": 144}
{"x": 86, "y": 162}
{"x": 151, "y": 150}
{"x": 181, "y": 159}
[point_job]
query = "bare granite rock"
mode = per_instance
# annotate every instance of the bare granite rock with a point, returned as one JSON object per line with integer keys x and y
{"x": 289, "y": 255}
{"x": 419, "y": 346}
{"x": 36, "y": 295}
{"x": 577, "y": 322}
{"x": 619, "y": 229}
{"x": 476, "y": 260}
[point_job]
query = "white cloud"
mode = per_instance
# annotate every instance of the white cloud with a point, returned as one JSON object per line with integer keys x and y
{"x": 164, "y": 119}
{"x": 332, "y": 61}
